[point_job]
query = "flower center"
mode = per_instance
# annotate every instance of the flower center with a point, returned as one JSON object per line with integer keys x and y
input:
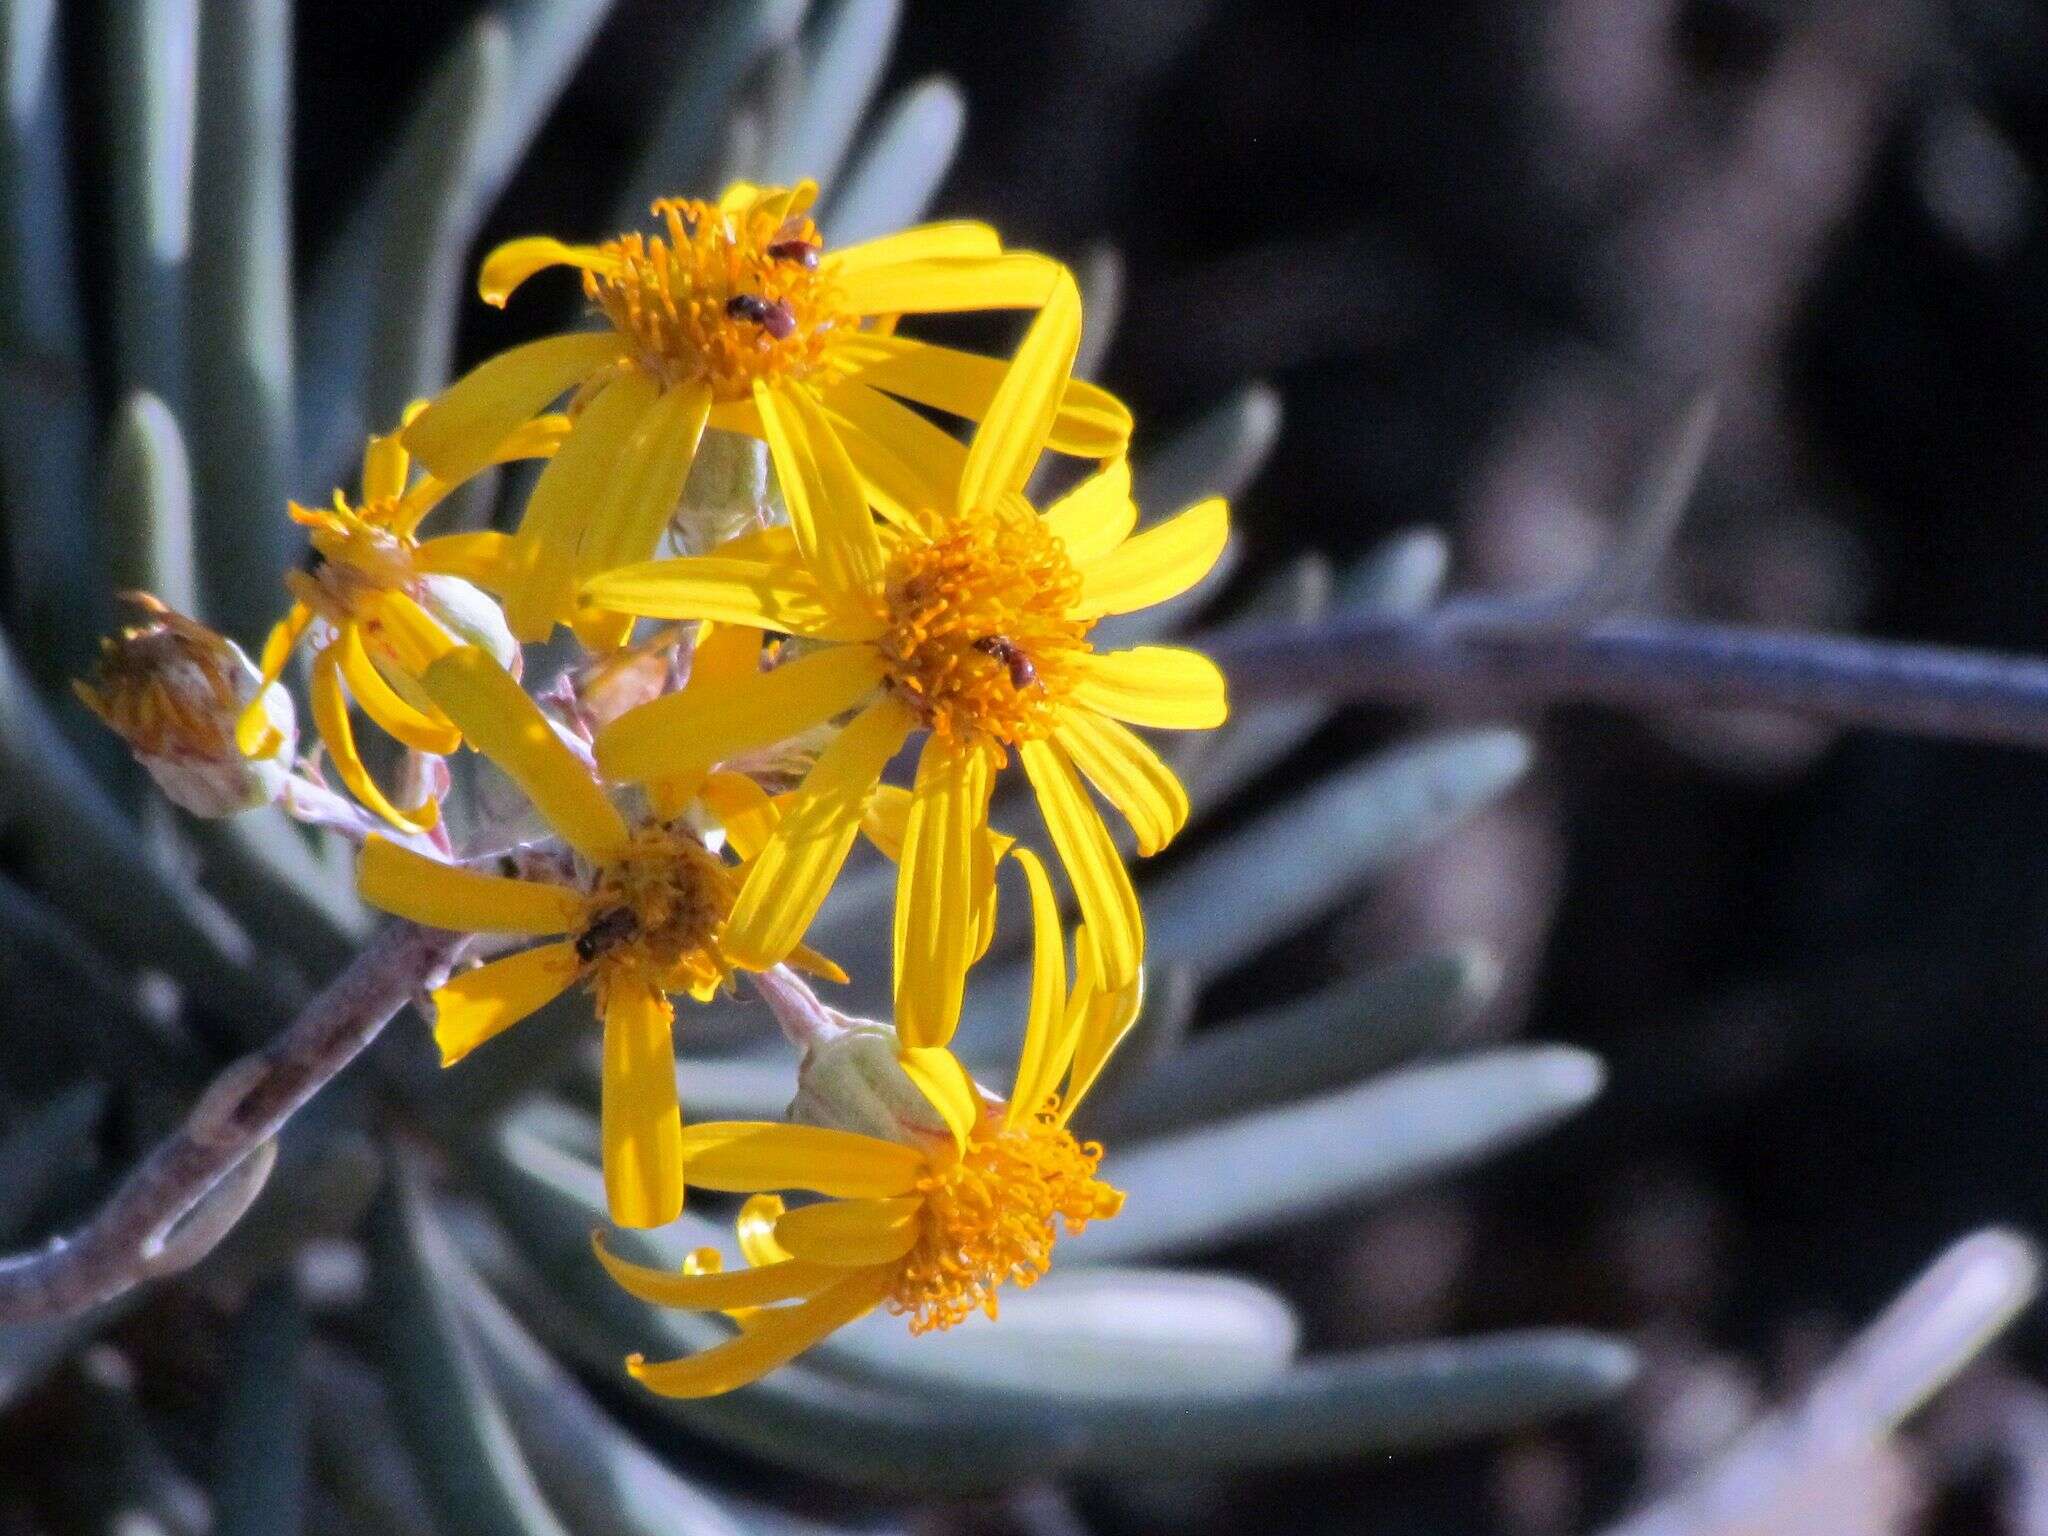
{"x": 990, "y": 1217}
{"x": 727, "y": 298}
{"x": 359, "y": 553}
{"x": 979, "y": 641}
{"x": 657, "y": 914}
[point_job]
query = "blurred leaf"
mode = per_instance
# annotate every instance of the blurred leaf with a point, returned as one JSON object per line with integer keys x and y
{"x": 896, "y": 174}
{"x": 241, "y": 392}
{"x": 1219, "y": 454}
{"x": 115, "y": 1465}
{"x": 1262, "y": 881}
{"x": 356, "y": 1449}
{"x": 46, "y": 1152}
{"x": 727, "y": 48}
{"x": 1344, "y": 1032}
{"x": 1402, "y": 577}
{"x": 471, "y": 1466}
{"x": 152, "y": 72}
{"x": 262, "y": 867}
{"x": 846, "y": 50}
{"x": 1259, "y": 1172}
{"x": 328, "y": 1172}
{"x": 146, "y": 505}
{"x": 259, "y": 1472}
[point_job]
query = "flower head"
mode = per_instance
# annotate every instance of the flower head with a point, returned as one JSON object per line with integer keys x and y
{"x": 375, "y": 587}
{"x": 930, "y": 1220}
{"x": 728, "y": 316}
{"x": 972, "y": 617}
{"x": 644, "y": 916}
{"x": 173, "y": 690}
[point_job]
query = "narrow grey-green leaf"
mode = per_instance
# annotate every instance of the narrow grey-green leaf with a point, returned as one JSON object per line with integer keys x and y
{"x": 1259, "y": 1172}
{"x": 1338, "y": 1035}
{"x": 46, "y": 1151}
{"x": 241, "y": 390}
{"x": 146, "y": 505}
{"x": 152, "y": 71}
{"x": 454, "y": 1426}
{"x": 357, "y": 1453}
{"x": 46, "y": 420}
{"x": 896, "y": 173}
{"x": 290, "y": 898}
{"x": 1401, "y": 578}
{"x": 1265, "y": 880}
{"x": 846, "y": 50}
{"x": 727, "y": 48}
{"x": 259, "y": 1446}
{"x": 1218, "y": 454}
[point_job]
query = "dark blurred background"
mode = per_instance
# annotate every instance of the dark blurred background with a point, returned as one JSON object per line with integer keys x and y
{"x": 1484, "y": 251}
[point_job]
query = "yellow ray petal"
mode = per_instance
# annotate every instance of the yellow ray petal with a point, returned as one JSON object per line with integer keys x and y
{"x": 645, "y": 482}
{"x": 828, "y": 509}
{"x": 1012, "y": 434}
{"x": 1129, "y": 775}
{"x": 515, "y": 261}
{"x": 775, "y": 1338}
{"x": 1048, "y": 1042}
{"x": 1102, "y": 886}
{"x": 500, "y": 721}
{"x": 1099, "y": 1021}
{"x": 1156, "y": 685}
{"x": 837, "y": 1233}
{"x": 909, "y": 465}
{"x": 787, "y": 884}
{"x": 421, "y": 732}
{"x": 755, "y": 1230}
{"x": 456, "y": 435}
{"x": 641, "y": 1119}
{"x": 744, "y": 1156}
{"x": 255, "y": 736}
{"x": 771, "y": 595}
{"x": 1095, "y": 516}
{"x": 410, "y": 885}
{"x": 1162, "y": 562}
{"x": 938, "y": 898}
{"x": 1089, "y": 422}
{"x": 403, "y": 633}
{"x": 954, "y": 238}
{"x": 330, "y": 716}
{"x": 942, "y": 284}
{"x": 472, "y": 1007}
{"x": 386, "y": 465}
{"x": 540, "y": 588}
{"x": 725, "y": 653}
{"x": 947, "y": 1087}
{"x": 479, "y": 557}
{"x": 884, "y": 818}
{"x": 743, "y": 809}
{"x": 712, "y": 721}
{"x": 718, "y": 1289}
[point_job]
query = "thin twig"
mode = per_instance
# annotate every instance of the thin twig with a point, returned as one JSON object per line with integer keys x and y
{"x": 1645, "y": 666}
{"x": 134, "y": 1235}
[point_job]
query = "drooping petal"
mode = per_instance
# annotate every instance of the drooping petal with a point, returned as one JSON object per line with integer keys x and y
{"x": 1048, "y": 1042}
{"x": 255, "y": 736}
{"x": 711, "y": 721}
{"x": 947, "y": 1087}
{"x": 512, "y": 263}
{"x": 456, "y": 435}
{"x": 1162, "y": 562}
{"x": 1157, "y": 685}
{"x": 768, "y": 594}
{"x": 403, "y": 632}
{"x": 330, "y": 716}
{"x": 754, "y": 1230}
{"x": 411, "y": 885}
{"x": 716, "y": 1290}
{"x": 535, "y": 439}
{"x": 1012, "y": 433}
{"x": 472, "y": 1007}
{"x": 540, "y": 588}
{"x": 386, "y": 465}
{"x": 421, "y": 732}
{"x": 744, "y": 1156}
{"x": 943, "y": 284}
{"x": 500, "y": 721}
{"x": 937, "y": 896}
{"x": 1089, "y": 422}
{"x": 836, "y": 1233}
{"x": 955, "y": 238}
{"x": 743, "y": 809}
{"x": 775, "y": 1338}
{"x": 828, "y": 508}
{"x": 1128, "y": 774}
{"x": 1099, "y": 1021}
{"x": 787, "y": 884}
{"x": 640, "y": 1116}
{"x": 1095, "y": 516}
{"x": 1102, "y": 886}
{"x": 909, "y": 465}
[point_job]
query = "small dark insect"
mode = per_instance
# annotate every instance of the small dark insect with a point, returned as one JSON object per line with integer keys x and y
{"x": 802, "y": 252}
{"x": 606, "y": 932}
{"x": 1023, "y": 672}
{"x": 777, "y": 319}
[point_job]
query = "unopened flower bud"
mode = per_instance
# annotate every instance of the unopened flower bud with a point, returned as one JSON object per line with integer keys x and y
{"x": 853, "y": 1081}
{"x": 728, "y": 493}
{"x": 472, "y": 616}
{"x": 173, "y": 690}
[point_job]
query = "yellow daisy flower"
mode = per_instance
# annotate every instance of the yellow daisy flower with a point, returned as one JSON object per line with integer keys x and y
{"x": 734, "y": 308}
{"x": 969, "y": 1193}
{"x": 647, "y": 918}
{"x": 373, "y": 570}
{"x": 970, "y": 620}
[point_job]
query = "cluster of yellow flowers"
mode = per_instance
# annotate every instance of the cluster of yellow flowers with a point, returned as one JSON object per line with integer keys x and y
{"x": 709, "y": 774}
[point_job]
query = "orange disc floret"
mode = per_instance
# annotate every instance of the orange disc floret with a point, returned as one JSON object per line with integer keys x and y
{"x": 656, "y": 915}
